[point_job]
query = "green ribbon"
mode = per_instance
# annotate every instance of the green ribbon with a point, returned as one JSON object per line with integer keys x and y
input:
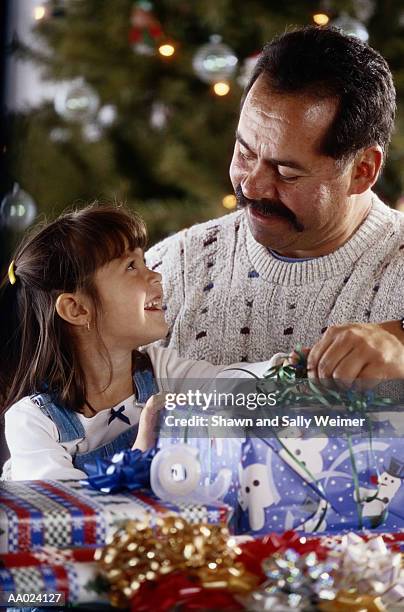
{"x": 293, "y": 387}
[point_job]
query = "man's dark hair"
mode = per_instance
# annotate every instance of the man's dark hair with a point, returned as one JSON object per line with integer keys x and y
{"x": 324, "y": 62}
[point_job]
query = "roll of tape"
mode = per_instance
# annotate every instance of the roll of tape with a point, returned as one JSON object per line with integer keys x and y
{"x": 175, "y": 472}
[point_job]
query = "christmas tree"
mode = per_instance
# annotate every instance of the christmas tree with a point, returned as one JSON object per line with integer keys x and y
{"x": 132, "y": 124}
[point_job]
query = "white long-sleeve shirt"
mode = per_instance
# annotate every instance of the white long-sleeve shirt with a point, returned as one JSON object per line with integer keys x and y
{"x": 33, "y": 438}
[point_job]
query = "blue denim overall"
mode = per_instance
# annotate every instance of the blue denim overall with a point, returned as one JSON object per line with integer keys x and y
{"x": 70, "y": 427}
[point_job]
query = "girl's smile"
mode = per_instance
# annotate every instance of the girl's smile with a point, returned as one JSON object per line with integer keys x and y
{"x": 154, "y": 304}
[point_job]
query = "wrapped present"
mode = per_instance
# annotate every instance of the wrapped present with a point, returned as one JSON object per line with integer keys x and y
{"x": 320, "y": 485}
{"x": 65, "y": 514}
{"x": 309, "y": 471}
{"x": 312, "y": 484}
{"x": 71, "y": 572}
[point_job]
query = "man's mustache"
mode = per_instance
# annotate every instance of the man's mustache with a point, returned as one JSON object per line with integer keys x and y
{"x": 267, "y": 207}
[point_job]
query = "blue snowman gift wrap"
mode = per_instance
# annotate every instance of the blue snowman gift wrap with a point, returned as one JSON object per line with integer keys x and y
{"x": 274, "y": 493}
{"x": 308, "y": 478}
{"x": 269, "y": 491}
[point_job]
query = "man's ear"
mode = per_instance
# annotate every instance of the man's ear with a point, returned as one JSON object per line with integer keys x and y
{"x": 366, "y": 169}
{"x": 73, "y": 308}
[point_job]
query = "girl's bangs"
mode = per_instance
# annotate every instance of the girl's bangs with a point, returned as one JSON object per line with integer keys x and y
{"x": 113, "y": 233}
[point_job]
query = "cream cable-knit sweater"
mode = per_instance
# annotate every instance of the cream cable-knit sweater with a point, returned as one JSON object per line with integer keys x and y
{"x": 228, "y": 299}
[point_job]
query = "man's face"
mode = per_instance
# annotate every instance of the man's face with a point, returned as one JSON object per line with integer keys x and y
{"x": 296, "y": 199}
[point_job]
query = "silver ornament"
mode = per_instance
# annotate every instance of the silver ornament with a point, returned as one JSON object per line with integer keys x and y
{"x": 18, "y": 209}
{"x": 76, "y": 101}
{"x": 214, "y": 61}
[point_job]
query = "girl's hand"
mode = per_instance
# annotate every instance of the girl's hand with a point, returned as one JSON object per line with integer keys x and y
{"x": 146, "y": 435}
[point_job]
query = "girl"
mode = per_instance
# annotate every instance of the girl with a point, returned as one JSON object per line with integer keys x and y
{"x": 77, "y": 304}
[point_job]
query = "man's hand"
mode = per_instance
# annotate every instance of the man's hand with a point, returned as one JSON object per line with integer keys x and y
{"x": 293, "y": 357}
{"x": 358, "y": 350}
{"x": 146, "y": 435}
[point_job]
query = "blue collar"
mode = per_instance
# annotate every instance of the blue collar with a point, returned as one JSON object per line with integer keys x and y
{"x": 289, "y": 259}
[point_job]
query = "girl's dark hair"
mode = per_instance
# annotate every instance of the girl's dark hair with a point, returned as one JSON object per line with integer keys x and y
{"x": 36, "y": 349}
{"x": 324, "y": 62}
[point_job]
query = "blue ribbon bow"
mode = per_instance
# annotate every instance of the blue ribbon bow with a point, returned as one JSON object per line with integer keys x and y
{"x": 127, "y": 470}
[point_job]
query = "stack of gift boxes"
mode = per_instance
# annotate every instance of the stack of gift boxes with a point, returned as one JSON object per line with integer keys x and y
{"x": 49, "y": 531}
{"x": 56, "y": 537}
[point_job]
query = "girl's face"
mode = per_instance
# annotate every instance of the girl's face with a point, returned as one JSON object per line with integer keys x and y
{"x": 131, "y": 302}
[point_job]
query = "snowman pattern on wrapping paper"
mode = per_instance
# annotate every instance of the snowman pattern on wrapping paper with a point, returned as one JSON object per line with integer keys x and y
{"x": 256, "y": 488}
{"x": 375, "y": 502}
{"x": 259, "y": 497}
{"x": 270, "y": 495}
{"x": 270, "y": 491}
{"x": 257, "y": 492}
{"x": 284, "y": 497}
{"x": 298, "y": 451}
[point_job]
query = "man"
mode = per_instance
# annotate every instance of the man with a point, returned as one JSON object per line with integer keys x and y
{"x": 312, "y": 257}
